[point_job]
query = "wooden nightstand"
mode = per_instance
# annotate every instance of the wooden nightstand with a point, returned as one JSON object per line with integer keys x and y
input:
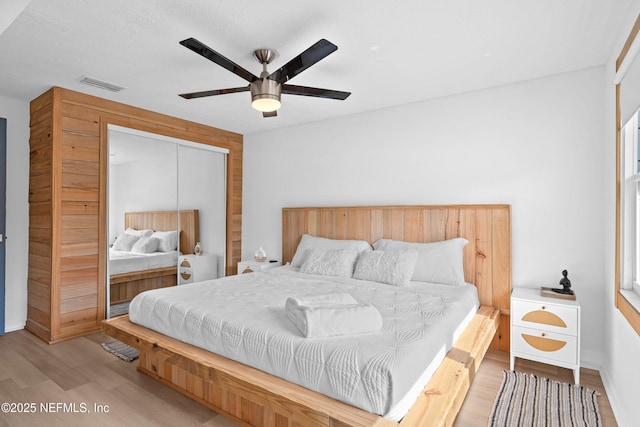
{"x": 196, "y": 268}
{"x": 252, "y": 266}
{"x": 545, "y": 329}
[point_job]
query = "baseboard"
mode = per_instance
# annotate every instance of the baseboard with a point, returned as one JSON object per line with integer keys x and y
{"x": 591, "y": 360}
{"x": 613, "y": 400}
{"x": 12, "y": 327}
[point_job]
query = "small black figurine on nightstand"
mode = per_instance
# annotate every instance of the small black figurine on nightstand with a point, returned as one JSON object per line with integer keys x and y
{"x": 566, "y": 284}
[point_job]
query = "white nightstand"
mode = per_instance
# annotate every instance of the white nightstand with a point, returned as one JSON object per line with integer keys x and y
{"x": 252, "y": 266}
{"x": 545, "y": 329}
{"x": 196, "y": 268}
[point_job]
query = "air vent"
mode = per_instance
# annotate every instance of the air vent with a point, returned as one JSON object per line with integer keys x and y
{"x": 100, "y": 84}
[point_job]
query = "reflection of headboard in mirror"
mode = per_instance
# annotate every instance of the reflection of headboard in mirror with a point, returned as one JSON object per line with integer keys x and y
{"x": 166, "y": 221}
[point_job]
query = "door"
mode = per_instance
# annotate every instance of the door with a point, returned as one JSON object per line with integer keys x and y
{"x": 152, "y": 173}
{"x": 202, "y": 185}
{"x": 3, "y": 205}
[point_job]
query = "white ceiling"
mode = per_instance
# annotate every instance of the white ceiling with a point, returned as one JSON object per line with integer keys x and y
{"x": 389, "y": 52}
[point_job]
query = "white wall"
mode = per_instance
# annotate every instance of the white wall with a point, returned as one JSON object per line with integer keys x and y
{"x": 535, "y": 145}
{"x": 621, "y": 344}
{"x": 144, "y": 185}
{"x": 17, "y": 225}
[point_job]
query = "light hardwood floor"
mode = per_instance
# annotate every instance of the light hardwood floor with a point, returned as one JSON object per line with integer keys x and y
{"x": 79, "y": 372}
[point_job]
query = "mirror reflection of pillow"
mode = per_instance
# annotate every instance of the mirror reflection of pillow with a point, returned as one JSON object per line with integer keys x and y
{"x": 125, "y": 242}
{"x": 168, "y": 240}
{"x": 146, "y": 245}
{"x": 140, "y": 233}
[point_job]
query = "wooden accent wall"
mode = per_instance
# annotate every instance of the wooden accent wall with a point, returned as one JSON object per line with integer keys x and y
{"x": 67, "y": 204}
{"x": 487, "y": 257}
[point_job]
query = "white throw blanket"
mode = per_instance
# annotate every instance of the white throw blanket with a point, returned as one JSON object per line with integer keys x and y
{"x": 332, "y": 314}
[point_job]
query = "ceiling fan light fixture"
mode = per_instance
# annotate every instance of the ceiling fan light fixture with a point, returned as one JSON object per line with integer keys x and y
{"x": 265, "y": 95}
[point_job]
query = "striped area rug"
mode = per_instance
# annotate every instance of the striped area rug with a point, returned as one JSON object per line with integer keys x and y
{"x": 119, "y": 309}
{"x": 529, "y": 400}
{"x": 122, "y": 350}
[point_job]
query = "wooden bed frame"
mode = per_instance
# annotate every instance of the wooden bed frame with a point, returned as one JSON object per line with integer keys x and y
{"x": 254, "y": 398}
{"x": 124, "y": 286}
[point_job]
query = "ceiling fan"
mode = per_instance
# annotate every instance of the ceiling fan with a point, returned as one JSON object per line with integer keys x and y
{"x": 266, "y": 89}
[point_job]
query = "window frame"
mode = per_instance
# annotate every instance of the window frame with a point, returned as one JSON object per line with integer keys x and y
{"x": 624, "y": 299}
{"x": 630, "y": 209}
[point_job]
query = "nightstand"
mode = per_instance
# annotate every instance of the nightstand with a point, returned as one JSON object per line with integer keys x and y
{"x": 253, "y": 266}
{"x": 545, "y": 329}
{"x": 196, "y": 268}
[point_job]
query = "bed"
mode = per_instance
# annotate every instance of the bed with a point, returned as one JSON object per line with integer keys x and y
{"x": 253, "y": 397}
{"x": 131, "y": 274}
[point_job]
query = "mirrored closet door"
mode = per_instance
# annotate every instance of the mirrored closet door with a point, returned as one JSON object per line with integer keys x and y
{"x": 167, "y": 214}
{"x": 201, "y": 185}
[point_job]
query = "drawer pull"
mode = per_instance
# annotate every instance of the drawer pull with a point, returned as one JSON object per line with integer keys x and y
{"x": 543, "y": 334}
{"x": 544, "y": 344}
{"x": 543, "y": 307}
{"x": 544, "y": 317}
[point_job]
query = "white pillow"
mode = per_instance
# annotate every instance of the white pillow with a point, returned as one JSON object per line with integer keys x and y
{"x": 391, "y": 267}
{"x": 141, "y": 233}
{"x": 330, "y": 262}
{"x": 438, "y": 262}
{"x": 146, "y": 245}
{"x": 168, "y": 240}
{"x": 125, "y": 242}
{"x": 311, "y": 242}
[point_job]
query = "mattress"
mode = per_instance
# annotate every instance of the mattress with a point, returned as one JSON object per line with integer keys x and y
{"x": 127, "y": 262}
{"x": 242, "y": 318}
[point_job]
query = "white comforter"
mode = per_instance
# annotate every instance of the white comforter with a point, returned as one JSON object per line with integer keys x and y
{"x": 126, "y": 262}
{"x": 242, "y": 317}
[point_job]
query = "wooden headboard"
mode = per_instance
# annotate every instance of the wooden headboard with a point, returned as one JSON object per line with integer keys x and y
{"x": 167, "y": 221}
{"x": 487, "y": 257}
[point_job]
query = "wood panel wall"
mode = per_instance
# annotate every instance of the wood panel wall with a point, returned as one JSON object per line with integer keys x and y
{"x": 487, "y": 257}
{"x": 67, "y": 197}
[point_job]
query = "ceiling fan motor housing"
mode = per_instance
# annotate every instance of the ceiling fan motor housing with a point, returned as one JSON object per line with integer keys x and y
{"x": 265, "y": 94}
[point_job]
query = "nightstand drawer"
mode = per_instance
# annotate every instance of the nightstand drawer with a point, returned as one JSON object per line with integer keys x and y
{"x": 544, "y": 345}
{"x": 538, "y": 315}
{"x": 197, "y": 268}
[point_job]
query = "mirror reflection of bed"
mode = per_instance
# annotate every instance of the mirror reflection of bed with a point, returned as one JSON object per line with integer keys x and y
{"x": 139, "y": 270}
{"x": 162, "y": 188}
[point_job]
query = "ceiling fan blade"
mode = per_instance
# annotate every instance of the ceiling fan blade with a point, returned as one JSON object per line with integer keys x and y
{"x": 269, "y": 114}
{"x": 214, "y": 92}
{"x": 314, "y": 91}
{"x": 212, "y": 55}
{"x": 306, "y": 59}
